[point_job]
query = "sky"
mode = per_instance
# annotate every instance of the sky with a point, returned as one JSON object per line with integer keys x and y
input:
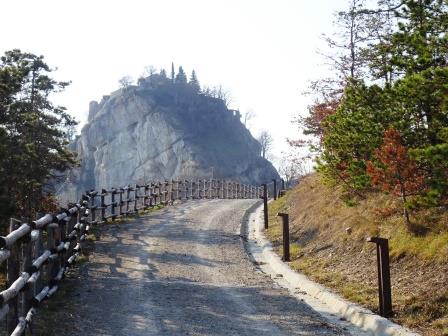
{"x": 264, "y": 52}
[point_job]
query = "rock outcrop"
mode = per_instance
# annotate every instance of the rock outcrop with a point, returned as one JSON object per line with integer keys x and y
{"x": 161, "y": 130}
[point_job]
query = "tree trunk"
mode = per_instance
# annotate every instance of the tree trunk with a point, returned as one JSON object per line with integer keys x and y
{"x": 405, "y": 210}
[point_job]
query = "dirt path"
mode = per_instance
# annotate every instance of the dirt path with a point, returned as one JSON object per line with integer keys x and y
{"x": 181, "y": 271}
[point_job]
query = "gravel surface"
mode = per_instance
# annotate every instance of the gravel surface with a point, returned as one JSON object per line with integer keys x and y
{"x": 183, "y": 270}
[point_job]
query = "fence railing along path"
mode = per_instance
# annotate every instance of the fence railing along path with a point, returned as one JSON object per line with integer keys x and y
{"x": 39, "y": 253}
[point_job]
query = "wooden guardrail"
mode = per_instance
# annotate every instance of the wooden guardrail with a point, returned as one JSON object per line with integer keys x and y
{"x": 39, "y": 253}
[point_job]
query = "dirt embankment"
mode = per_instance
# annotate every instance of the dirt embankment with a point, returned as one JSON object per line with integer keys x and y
{"x": 328, "y": 237}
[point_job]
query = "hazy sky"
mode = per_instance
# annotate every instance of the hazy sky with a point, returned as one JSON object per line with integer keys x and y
{"x": 262, "y": 51}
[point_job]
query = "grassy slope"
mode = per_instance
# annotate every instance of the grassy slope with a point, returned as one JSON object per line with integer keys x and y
{"x": 328, "y": 243}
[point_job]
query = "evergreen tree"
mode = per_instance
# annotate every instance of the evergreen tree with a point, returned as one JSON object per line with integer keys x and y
{"x": 33, "y": 131}
{"x": 412, "y": 61}
{"x": 194, "y": 83}
{"x": 181, "y": 77}
{"x": 173, "y": 73}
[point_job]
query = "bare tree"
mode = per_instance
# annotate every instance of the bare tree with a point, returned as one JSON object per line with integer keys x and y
{"x": 248, "y": 116}
{"x": 149, "y": 70}
{"x": 292, "y": 166}
{"x": 265, "y": 140}
{"x": 125, "y": 81}
{"x": 218, "y": 92}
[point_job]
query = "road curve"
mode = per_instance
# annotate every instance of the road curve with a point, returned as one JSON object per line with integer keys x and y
{"x": 184, "y": 271}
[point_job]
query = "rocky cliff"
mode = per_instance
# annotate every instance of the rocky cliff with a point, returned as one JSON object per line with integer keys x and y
{"x": 162, "y": 130}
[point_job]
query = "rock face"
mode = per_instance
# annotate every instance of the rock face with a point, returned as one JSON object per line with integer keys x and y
{"x": 161, "y": 130}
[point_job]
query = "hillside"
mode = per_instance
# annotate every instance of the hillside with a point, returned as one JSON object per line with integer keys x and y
{"x": 328, "y": 237}
{"x": 159, "y": 130}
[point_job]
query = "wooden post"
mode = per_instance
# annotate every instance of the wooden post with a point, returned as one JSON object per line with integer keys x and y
{"x": 180, "y": 187}
{"x": 113, "y": 205}
{"x": 383, "y": 265}
{"x": 285, "y": 218}
{"x": 27, "y": 259}
{"x": 128, "y": 195}
{"x": 151, "y": 193}
{"x": 265, "y": 206}
{"x": 136, "y": 189}
{"x": 145, "y": 196}
{"x": 226, "y": 189}
{"x": 92, "y": 206}
{"x": 121, "y": 201}
{"x": 13, "y": 272}
{"x": 275, "y": 188}
{"x": 160, "y": 193}
{"x": 103, "y": 205}
{"x": 170, "y": 190}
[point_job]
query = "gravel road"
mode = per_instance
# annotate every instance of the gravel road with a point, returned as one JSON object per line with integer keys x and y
{"x": 183, "y": 270}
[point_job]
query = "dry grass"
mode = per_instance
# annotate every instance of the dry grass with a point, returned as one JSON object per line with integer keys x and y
{"x": 328, "y": 237}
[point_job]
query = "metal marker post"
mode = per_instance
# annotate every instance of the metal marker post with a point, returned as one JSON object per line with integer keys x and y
{"x": 384, "y": 288}
{"x": 285, "y": 218}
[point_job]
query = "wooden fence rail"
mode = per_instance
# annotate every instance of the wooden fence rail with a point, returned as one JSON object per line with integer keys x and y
{"x": 38, "y": 253}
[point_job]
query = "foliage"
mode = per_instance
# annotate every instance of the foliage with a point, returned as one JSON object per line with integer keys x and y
{"x": 388, "y": 117}
{"x": 194, "y": 82}
{"x": 33, "y": 132}
{"x": 396, "y": 172}
{"x": 181, "y": 77}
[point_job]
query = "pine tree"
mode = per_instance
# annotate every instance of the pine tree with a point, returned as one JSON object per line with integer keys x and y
{"x": 181, "y": 77}
{"x": 411, "y": 61}
{"x": 396, "y": 171}
{"x": 33, "y": 131}
{"x": 194, "y": 83}
{"x": 173, "y": 74}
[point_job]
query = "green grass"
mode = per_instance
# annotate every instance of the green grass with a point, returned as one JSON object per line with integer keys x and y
{"x": 429, "y": 247}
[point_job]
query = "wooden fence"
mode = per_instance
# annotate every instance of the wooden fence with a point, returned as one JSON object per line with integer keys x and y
{"x": 39, "y": 253}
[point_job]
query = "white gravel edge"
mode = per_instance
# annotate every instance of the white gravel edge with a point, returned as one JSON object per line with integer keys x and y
{"x": 331, "y": 306}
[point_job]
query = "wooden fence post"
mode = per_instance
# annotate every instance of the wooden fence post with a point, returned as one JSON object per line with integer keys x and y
{"x": 13, "y": 271}
{"x": 113, "y": 204}
{"x": 103, "y": 205}
{"x": 92, "y": 195}
{"x": 275, "y": 188}
{"x": 128, "y": 195}
{"x": 121, "y": 191}
{"x": 265, "y": 206}
{"x": 145, "y": 196}
{"x": 136, "y": 189}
